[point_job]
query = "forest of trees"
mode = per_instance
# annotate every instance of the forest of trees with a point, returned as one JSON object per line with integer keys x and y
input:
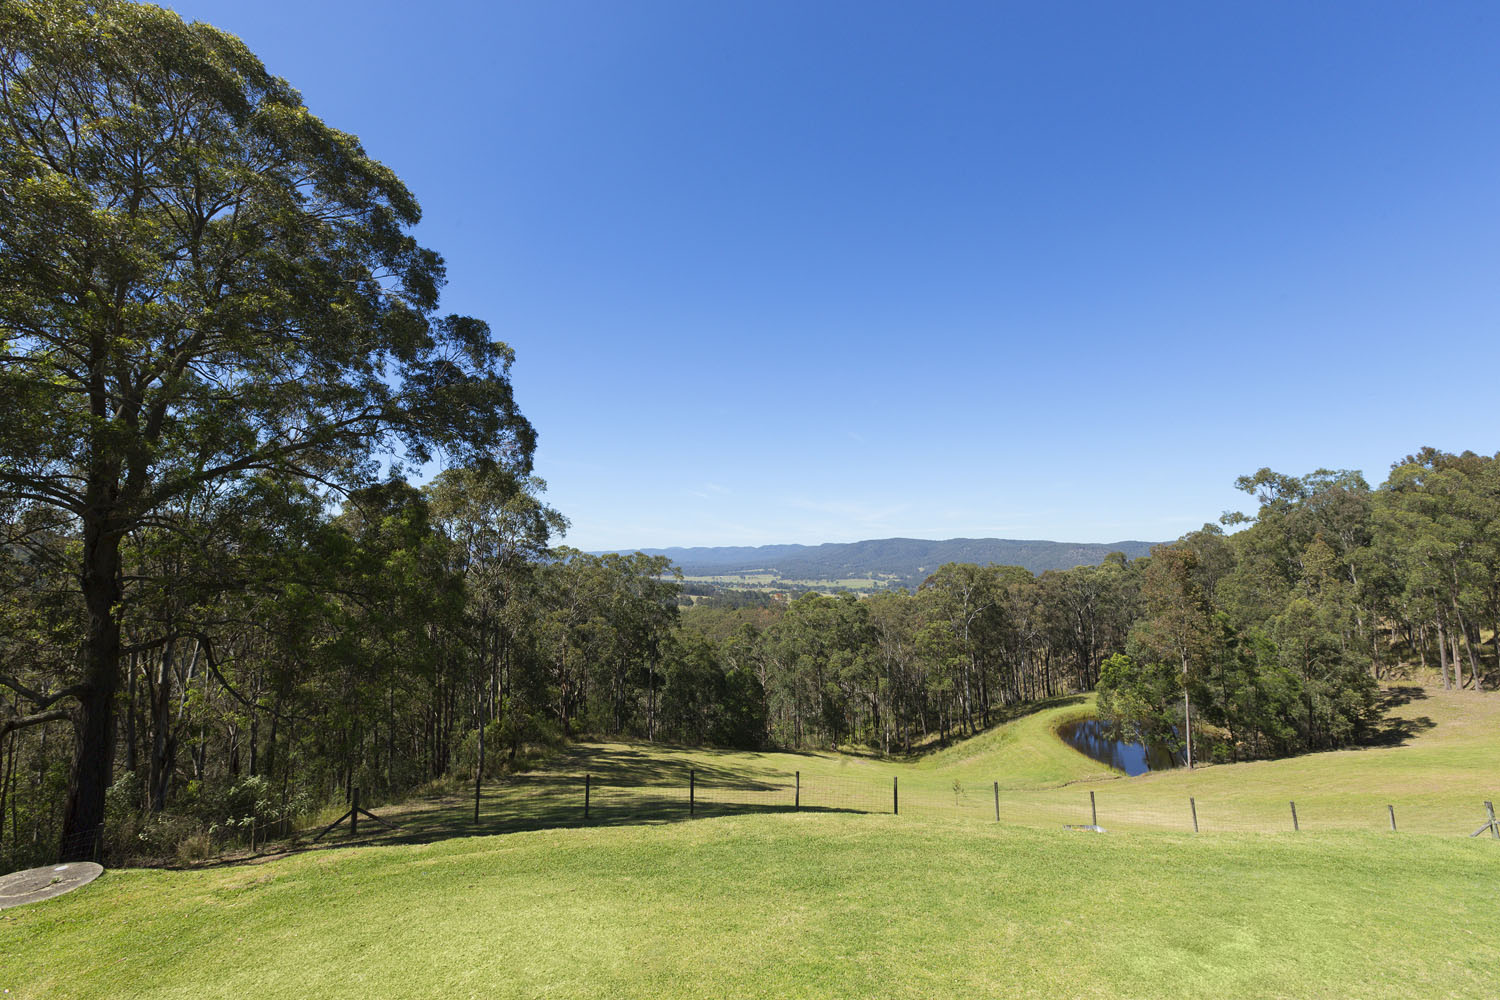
{"x": 1271, "y": 639}
{"x": 280, "y": 647}
{"x": 224, "y": 603}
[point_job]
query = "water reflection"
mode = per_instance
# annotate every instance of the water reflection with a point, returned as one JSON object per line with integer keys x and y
{"x": 1094, "y": 738}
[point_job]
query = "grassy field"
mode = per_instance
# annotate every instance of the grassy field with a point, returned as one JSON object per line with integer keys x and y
{"x": 772, "y": 581}
{"x": 785, "y": 906}
{"x": 839, "y": 902}
{"x": 1440, "y": 761}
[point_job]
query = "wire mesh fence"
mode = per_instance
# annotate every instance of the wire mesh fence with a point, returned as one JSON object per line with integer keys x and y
{"x": 544, "y": 800}
{"x": 656, "y": 793}
{"x": 85, "y": 845}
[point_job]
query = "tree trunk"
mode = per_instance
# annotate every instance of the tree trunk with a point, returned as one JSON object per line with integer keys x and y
{"x": 163, "y": 732}
{"x": 1458, "y": 664}
{"x": 130, "y": 751}
{"x": 1471, "y": 636}
{"x": 1442, "y": 644}
{"x": 1187, "y": 713}
{"x": 94, "y": 755}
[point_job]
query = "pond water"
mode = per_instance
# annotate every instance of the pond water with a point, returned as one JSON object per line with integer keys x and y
{"x": 1094, "y": 738}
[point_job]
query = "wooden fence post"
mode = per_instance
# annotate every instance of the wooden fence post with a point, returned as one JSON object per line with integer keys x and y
{"x": 997, "y": 802}
{"x": 895, "y": 798}
{"x": 1093, "y": 810}
{"x": 1295, "y": 827}
{"x": 1489, "y": 823}
{"x": 588, "y": 781}
{"x": 1193, "y": 805}
{"x": 353, "y": 817}
{"x": 1392, "y": 811}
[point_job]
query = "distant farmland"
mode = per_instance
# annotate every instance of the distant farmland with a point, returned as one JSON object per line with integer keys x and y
{"x": 877, "y": 563}
{"x": 770, "y": 581}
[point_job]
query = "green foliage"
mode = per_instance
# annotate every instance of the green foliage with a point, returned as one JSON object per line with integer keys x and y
{"x": 200, "y": 283}
{"x": 1142, "y": 698}
{"x": 706, "y": 703}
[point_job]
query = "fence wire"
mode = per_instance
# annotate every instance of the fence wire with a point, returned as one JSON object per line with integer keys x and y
{"x": 545, "y": 800}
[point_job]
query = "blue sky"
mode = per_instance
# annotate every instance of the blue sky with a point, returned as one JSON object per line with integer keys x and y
{"x": 807, "y": 272}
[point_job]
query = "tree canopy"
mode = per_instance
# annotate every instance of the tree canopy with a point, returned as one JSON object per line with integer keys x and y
{"x": 200, "y": 281}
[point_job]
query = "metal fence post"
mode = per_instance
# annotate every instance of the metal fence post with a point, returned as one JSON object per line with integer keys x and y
{"x": 895, "y": 797}
{"x": 1295, "y": 827}
{"x": 1093, "y": 810}
{"x": 797, "y": 799}
{"x": 354, "y": 815}
{"x": 1193, "y": 805}
{"x": 1392, "y": 811}
{"x": 692, "y": 792}
{"x": 588, "y": 780}
{"x": 997, "y": 802}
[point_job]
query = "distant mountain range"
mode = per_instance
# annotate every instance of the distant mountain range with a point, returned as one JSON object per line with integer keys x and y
{"x": 907, "y": 560}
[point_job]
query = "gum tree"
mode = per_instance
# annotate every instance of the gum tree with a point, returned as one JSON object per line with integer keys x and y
{"x": 200, "y": 280}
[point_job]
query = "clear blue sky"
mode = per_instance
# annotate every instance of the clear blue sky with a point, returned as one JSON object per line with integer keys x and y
{"x": 806, "y": 272}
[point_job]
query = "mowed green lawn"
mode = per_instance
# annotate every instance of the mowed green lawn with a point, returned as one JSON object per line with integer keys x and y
{"x": 844, "y": 899}
{"x": 784, "y": 906}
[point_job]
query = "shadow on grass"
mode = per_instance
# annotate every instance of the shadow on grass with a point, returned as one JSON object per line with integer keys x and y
{"x": 1401, "y": 694}
{"x": 660, "y": 765}
{"x": 1395, "y": 731}
{"x": 628, "y": 785}
{"x": 549, "y": 801}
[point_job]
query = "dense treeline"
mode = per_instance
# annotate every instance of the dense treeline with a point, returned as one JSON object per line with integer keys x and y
{"x": 898, "y": 668}
{"x": 282, "y": 648}
{"x": 1267, "y": 641}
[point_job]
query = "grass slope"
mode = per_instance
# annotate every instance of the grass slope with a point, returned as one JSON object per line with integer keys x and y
{"x": 833, "y": 903}
{"x": 786, "y": 906}
{"x": 1440, "y": 761}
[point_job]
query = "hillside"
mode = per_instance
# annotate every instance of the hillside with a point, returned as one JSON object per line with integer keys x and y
{"x": 905, "y": 561}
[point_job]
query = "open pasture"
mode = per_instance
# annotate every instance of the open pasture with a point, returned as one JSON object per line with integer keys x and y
{"x": 750, "y": 898}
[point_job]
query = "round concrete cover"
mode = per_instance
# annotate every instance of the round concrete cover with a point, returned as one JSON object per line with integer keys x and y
{"x": 44, "y": 883}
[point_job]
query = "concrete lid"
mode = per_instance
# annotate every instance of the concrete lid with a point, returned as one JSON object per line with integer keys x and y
{"x": 35, "y": 884}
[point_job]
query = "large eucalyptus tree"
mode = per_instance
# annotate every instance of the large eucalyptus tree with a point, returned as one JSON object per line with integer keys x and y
{"x": 200, "y": 280}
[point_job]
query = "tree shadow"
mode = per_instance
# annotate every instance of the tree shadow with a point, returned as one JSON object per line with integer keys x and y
{"x": 1401, "y": 694}
{"x": 1396, "y": 730}
{"x": 625, "y": 788}
{"x": 625, "y": 785}
{"x": 620, "y": 764}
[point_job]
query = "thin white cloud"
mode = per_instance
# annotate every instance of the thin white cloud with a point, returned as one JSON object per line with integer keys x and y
{"x": 861, "y": 513}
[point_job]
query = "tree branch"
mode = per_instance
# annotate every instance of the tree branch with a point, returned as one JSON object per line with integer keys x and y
{"x": 23, "y": 721}
{"x": 37, "y": 698}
